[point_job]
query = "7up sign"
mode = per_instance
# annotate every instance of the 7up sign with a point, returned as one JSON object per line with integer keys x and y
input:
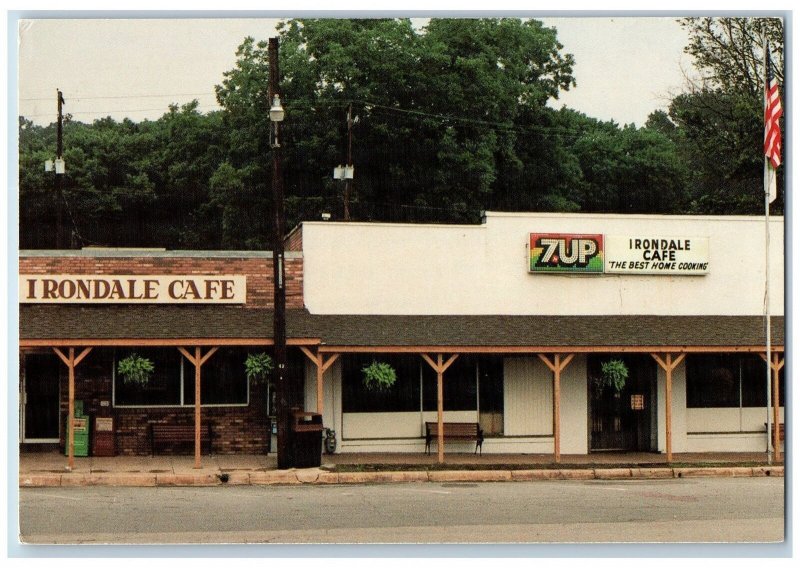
{"x": 566, "y": 253}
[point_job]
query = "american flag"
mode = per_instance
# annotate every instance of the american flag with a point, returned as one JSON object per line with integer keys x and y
{"x": 772, "y": 114}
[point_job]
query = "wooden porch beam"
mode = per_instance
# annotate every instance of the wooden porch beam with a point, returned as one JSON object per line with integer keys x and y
{"x": 556, "y": 366}
{"x": 440, "y": 367}
{"x": 198, "y": 360}
{"x": 331, "y": 360}
{"x": 141, "y": 342}
{"x": 71, "y": 362}
{"x": 535, "y": 349}
{"x": 322, "y": 365}
{"x": 668, "y": 364}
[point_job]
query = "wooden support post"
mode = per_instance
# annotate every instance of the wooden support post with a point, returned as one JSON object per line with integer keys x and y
{"x": 198, "y": 359}
{"x": 669, "y": 365}
{"x": 71, "y": 362}
{"x": 775, "y": 365}
{"x": 557, "y": 366}
{"x": 322, "y": 365}
{"x": 197, "y": 404}
{"x": 440, "y": 368}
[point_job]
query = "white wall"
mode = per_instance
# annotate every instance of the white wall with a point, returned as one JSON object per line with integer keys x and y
{"x": 376, "y": 268}
{"x": 575, "y": 408}
{"x": 527, "y": 397}
{"x": 708, "y": 420}
{"x": 528, "y": 402}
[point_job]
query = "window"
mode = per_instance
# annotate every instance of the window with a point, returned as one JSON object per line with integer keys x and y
{"x": 712, "y": 381}
{"x": 223, "y": 380}
{"x": 164, "y": 387}
{"x": 459, "y": 386}
{"x": 727, "y": 381}
{"x": 402, "y": 397}
{"x": 491, "y": 384}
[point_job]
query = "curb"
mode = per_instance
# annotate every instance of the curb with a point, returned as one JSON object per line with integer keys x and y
{"x": 315, "y": 476}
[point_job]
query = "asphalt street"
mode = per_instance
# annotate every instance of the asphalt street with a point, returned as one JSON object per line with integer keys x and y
{"x": 669, "y": 510}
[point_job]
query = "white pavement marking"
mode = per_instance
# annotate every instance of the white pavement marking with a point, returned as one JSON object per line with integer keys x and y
{"x": 55, "y": 496}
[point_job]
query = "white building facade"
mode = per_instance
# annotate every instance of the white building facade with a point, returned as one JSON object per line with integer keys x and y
{"x": 520, "y": 292}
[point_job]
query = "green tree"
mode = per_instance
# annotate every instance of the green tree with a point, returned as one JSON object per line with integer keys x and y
{"x": 720, "y": 118}
{"x": 630, "y": 170}
{"x": 126, "y": 183}
{"x": 436, "y": 108}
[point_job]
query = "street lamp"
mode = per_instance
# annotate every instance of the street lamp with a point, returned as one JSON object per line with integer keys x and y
{"x": 276, "y": 114}
{"x": 276, "y": 110}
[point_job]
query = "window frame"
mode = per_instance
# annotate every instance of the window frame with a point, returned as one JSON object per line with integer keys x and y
{"x": 182, "y": 390}
{"x": 739, "y": 361}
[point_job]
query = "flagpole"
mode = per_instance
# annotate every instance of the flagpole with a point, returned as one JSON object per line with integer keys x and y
{"x": 767, "y": 182}
{"x": 767, "y": 318}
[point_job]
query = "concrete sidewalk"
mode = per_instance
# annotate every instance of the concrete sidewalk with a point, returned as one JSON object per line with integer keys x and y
{"x": 48, "y": 469}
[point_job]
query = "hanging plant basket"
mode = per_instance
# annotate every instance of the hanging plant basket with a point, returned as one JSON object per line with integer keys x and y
{"x": 258, "y": 367}
{"x": 135, "y": 370}
{"x": 379, "y": 376}
{"x": 614, "y": 374}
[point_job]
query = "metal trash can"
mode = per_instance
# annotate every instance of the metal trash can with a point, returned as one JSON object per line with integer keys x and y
{"x": 307, "y": 437}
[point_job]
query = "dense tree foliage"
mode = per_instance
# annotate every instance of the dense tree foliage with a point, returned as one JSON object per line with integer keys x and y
{"x": 721, "y": 117}
{"x": 448, "y": 121}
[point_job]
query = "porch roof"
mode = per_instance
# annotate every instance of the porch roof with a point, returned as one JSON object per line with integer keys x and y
{"x": 191, "y": 324}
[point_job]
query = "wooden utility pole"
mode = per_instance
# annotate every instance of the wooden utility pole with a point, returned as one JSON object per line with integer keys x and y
{"x": 349, "y": 161}
{"x": 59, "y": 177}
{"x": 282, "y": 387}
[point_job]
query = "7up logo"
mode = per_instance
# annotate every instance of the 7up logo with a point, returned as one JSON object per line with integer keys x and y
{"x": 556, "y": 252}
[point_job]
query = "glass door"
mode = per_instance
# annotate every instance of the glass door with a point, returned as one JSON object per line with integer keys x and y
{"x": 623, "y": 420}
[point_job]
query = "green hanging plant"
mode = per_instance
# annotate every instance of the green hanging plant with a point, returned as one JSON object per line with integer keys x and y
{"x": 135, "y": 370}
{"x": 614, "y": 374}
{"x": 258, "y": 366}
{"x": 379, "y": 376}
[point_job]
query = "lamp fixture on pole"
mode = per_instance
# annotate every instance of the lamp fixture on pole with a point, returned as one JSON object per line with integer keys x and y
{"x": 276, "y": 114}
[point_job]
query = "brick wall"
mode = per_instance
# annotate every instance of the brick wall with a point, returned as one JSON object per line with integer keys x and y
{"x": 237, "y": 429}
{"x": 257, "y": 269}
{"x": 294, "y": 241}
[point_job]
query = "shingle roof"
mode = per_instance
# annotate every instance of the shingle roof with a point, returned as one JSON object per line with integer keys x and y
{"x": 43, "y": 322}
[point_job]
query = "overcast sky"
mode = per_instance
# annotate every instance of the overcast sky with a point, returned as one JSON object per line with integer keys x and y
{"x": 625, "y": 67}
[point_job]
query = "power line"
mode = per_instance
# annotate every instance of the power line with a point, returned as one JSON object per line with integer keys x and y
{"x": 85, "y": 112}
{"x": 368, "y": 105}
{"x": 75, "y": 98}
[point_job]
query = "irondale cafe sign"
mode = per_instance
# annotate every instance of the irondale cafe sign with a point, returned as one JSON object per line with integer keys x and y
{"x": 562, "y": 253}
{"x": 132, "y": 289}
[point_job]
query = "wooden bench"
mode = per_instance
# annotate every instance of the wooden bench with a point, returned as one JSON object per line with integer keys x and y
{"x": 465, "y": 431}
{"x": 164, "y": 434}
{"x": 780, "y": 431}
